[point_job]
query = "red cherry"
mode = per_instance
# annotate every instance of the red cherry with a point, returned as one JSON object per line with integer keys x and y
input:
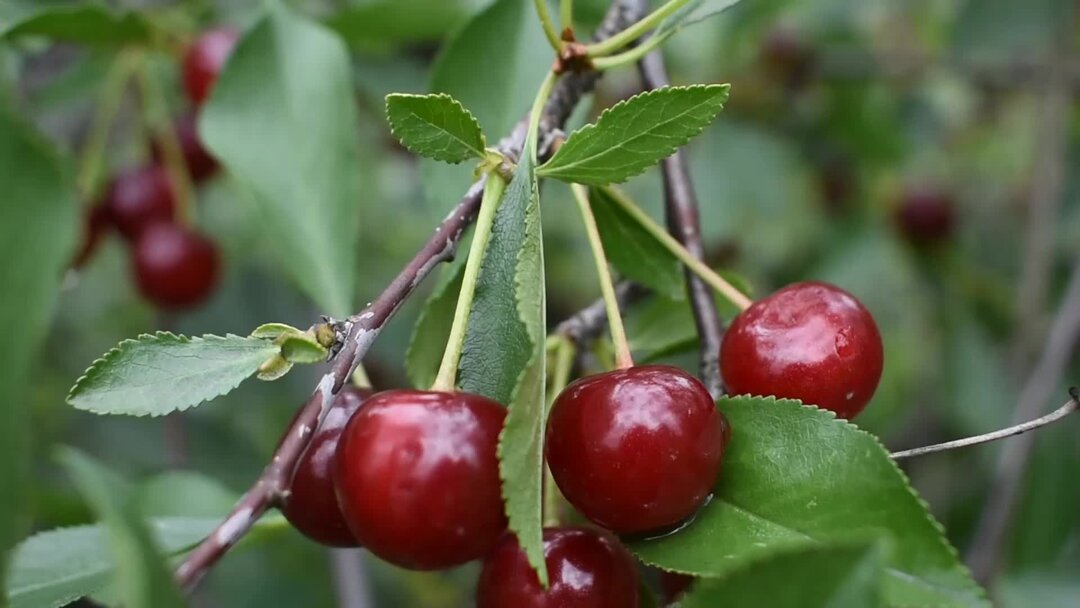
{"x": 810, "y": 341}
{"x": 312, "y": 505}
{"x": 200, "y": 163}
{"x": 637, "y": 449}
{"x": 96, "y": 221}
{"x": 204, "y": 60}
{"x": 925, "y": 216}
{"x": 139, "y": 197}
{"x": 417, "y": 477}
{"x": 673, "y": 585}
{"x": 174, "y": 267}
{"x": 586, "y": 569}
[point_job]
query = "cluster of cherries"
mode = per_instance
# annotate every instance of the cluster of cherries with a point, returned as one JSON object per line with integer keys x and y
{"x": 413, "y": 476}
{"x": 174, "y": 266}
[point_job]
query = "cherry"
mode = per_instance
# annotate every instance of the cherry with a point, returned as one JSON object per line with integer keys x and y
{"x": 673, "y": 585}
{"x": 925, "y": 216}
{"x": 417, "y": 477}
{"x": 174, "y": 267}
{"x": 586, "y": 569}
{"x": 96, "y": 221}
{"x": 204, "y": 60}
{"x": 810, "y": 341}
{"x": 138, "y": 197}
{"x": 636, "y": 449}
{"x": 788, "y": 57}
{"x": 312, "y": 505}
{"x": 199, "y": 162}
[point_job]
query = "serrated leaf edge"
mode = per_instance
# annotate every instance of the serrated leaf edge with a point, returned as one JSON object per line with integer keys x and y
{"x": 725, "y": 91}
{"x": 116, "y": 350}
{"x": 394, "y": 127}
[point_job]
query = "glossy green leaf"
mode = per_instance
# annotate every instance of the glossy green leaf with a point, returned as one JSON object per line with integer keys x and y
{"x": 86, "y": 22}
{"x": 53, "y": 568}
{"x": 38, "y": 214}
{"x": 825, "y": 576}
{"x": 374, "y": 23}
{"x": 635, "y": 134}
{"x": 282, "y": 120}
{"x": 141, "y": 577}
{"x": 796, "y": 476}
{"x": 436, "y": 126}
{"x": 433, "y": 329}
{"x": 633, "y": 251}
{"x": 493, "y": 66}
{"x": 159, "y": 373}
{"x": 521, "y": 443}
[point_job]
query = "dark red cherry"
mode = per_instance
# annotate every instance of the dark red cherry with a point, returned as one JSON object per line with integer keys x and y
{"x": 96, "y": 222}
{"x": 788, "y": 57}
{"x": 174, "y": 267}
{"x": 673, "y": 585}
{"x": 810, "y": 341}
{"x": 205, "y": 59}
{"x": 200, "y": 163}
{"x": 139, "y": 197}
{"x": 417, "y": 477}
{"x": 926, "y": 216}
{"x": 586, "y": 569}
{"x": 312, "y": 505}
{"x": 637, "y": 449}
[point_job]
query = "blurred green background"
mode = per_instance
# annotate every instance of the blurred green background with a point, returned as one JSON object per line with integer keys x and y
{"x": 839, "y": 110}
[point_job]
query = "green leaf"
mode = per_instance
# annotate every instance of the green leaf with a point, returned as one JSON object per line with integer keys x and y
{"x": 796, "y": 476}
{"x": 521, "y": 442}
{"x": 433, "y": 329}
{"x": 634, "y": 252}
{"x": 635, "y": 134}
{"x": 161, "y": 373}
{"x": 506, "y": 39}
{"x": 73, "y": 21}
{"x": 38, "y": 214}
{"x": 825, "y": 576}
{"x": 436, "y": 126}
{"x": 282, "y": 120}
{"x": 185, "y": 494}
{"x": 56, "y": 567}
{"x": 302, "y": 348}
{"x": 140, "y": 575}
{"x": 272, "y": 331}
{"x": 374, "y": 23}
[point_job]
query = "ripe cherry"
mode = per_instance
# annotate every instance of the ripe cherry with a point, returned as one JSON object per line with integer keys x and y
{"x": 199, "y": 162}
{"x": 925, "y": 216}
{"x": 312, "y": 505}
{"x": 139, "y": 197}
{"x": 417, "y": 477}
{"x": 174, "y": 267}
{"x": 810, "y": 341}
{"x": 636, "y": 449}
{"x": 205, "y": 59}
{"x": 586, "y": 569}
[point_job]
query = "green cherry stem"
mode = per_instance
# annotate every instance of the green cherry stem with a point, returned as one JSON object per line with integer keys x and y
{"x": 360, "y": 378}
{"x": 534, "y": 114}
{"x": 446, "y": 380}
{"x": 696, "y": 266}
{"x": 633, "y": 55}
{"x": 623, "y": 359}
{"x": 550, "y": 31}
{"x": 632, "y": 33}
{"x": 157, "y": 117}
{"x": 108, "y": 107}
{"x": 564, "y": 353}
{"x": 566, "y": 14}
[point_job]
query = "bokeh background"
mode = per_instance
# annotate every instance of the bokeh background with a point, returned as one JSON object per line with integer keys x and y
{"x": 842, "y": 114}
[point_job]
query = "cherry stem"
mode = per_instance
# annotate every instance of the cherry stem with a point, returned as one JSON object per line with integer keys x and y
{"x": 623, "y": 360}
{"x": 1071, "y": 406}
{"x": 550, "y": 30}
{"x": 157, "y": 117}
{"x": 446, "y": 380}
{"x": 108, "y": 108}
{"x": 669, "y": 242}
{"x": 566, "y": 14}
{"x": 633, "y": 55}
{"x": 632, "y": 33}
{"x": 564, "y": 351}
{"x": 360, "y": 378}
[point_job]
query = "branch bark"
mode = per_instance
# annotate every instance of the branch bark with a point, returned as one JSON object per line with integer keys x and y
{"x": 684, "y": 223}
{"x": 358, "y": 332}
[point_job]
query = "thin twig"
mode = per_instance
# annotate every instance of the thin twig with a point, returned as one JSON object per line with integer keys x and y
{"x": 1070, "y": 406}
{"x": 984, "y": 555}
{"x": 684, "y": 223}
{"x": 589, "y": 322}
{"x": 358, "y": 332}
{"x": 350, "y": 578}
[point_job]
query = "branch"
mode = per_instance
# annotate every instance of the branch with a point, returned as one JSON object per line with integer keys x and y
{"x": 589, "y": 322}
{"x": 357, "y": 333}
{"x": 1070, "y": 406}
{"x": 984, "y": 555}
{"x": 684, "y": 223}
